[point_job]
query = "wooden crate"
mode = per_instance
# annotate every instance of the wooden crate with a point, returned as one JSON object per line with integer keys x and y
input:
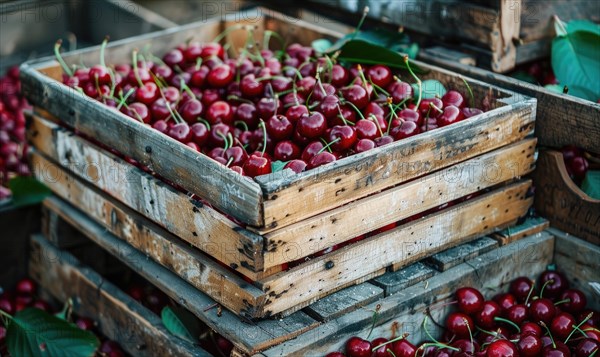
{"x": 263, "y": 203}
{"x": 120, "y": 318}
{"x": 499, "y": 34}
{"x": 153, "y": 217}
{"x": 559, "y": 199}
{"x": 251, "y": 337}
{"x": 562, "y": 119}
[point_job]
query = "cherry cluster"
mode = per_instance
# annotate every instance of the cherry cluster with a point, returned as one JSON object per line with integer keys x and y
{"x": 547, "y": 319}
{"x": 13, "y": 148}
{"x": 293, "y": 106}
{"x": 24, "y": 295}
{"x": 576, "y": 163}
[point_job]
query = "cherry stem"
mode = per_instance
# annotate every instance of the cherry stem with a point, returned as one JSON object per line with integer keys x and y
{"x": 6, "y": 315}
{"x": 374, "y": 118}
{"x": 589, "y": 316}
{"x": 362, "y": 77}
{"x": 328, "y": 146}
{"x": 355, "y": 108}
{"x": 393, "y": 115}
{"x": 225, "y": 140}
{"x": 562, "y": 302}
{"x": 375, "y": 315}
{"x": 124, "y": 98}
{"x": 378, "y": 88}
{"x": 205, "y": 122}
{"x": 134, "y": 55}
{"x": 239, "y": 99}
{"x": 549, "y": 333}
{"x": 394, "y": 355}
{"x": 433, "y": 106}
{"x": 402, "y": 337}
{"x": 470, "y": 332}
{"x": 360, "y": 23}
{"x": 508, "y": 322}
{"x": 60, "y": 60}
{"x": 178, "y": 119}
{"x": 529, "y": 294}
{"x": 242, "y": 124}
{"x": 319, "y": 71}
{"x": 267, "y": 39}
{"x": 229, "y": 162}
{"x": 470, "y": 92}
{"x": 342, "y": 116}
{"x": 419, "y": 83}
{"x": 296, "y": 70}
{"x": 227, "y": 31}
{"x": 198, "y": 63}
{"x": 551, "y": 281}
{"x": 264, "y": 130}
{"x": 102, "y": 49}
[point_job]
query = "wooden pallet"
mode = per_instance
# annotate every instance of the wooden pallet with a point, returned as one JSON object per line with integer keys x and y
{"x": 559, "y": 199}
{"x": 251, "y": 337}
{"x": 119, "y": 317}
{"x": 555, "y": 111}
{"x": 499, "y": 34}
{"x": 264, "y": 202}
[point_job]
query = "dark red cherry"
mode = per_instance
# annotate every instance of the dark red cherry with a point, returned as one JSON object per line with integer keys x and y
{"x": 100, "y": 74}
{"x": 403, "y": 348}
{"x": 381, "y": 351}
{"x": 485, "y": 318}
{"x": 363, "y": 145}
{"x": 257, "y": 164}
{"x": 502, "y": 348}
{"x": 505, "y": 301}
{"x": 542, "y": 310}
{"x": 457, "y": 322}
{"x": 250, "y": 87}
{"x": 400, "y": 91}
{"x": 306, "y": 85}
{"x": 380, "y": 75}
{"x": 562, "y": 325}
{"x": 450, "y": 116}
{"x": 26, "y": 286}
{"x": 344, "y": 137}
{"x": 404, "y": 130}
{"x": 339, "y": 76}
{"x": 235, "y": 156}
{"x": 531, "y": 328}
{"x": 383, "y": 140}
{"x": 557, "y": 283}
{"x": 329, "y": 106}
{"x": 173, "y": 58}
{"x": 267, "y": 107}
{"x": 517, "y": 313}
{"x": 471, "y": 112}
{"x": 147, "y": 94}
{"x": 320, "y": 159}
{"x": 138, "y": 111}
{"x": 180, "y": 132}
{"x": 561, "y": 350}
{"x": 357, "y": 347}
{"x": 295, "y": 112}
{"x": 297, "y": 166}
{"x": 191, "y": 110}
{"x": 279, "y": 127}
{"x": 587, "y": 347}
{"x": 520, "y": 287}
{"x": 530, "y": 346}
{"x": 286, "y": 150}
{"x": 219, "y": 112}
{"x": 311, "y": 150}
{"x": 312, "y": 126}
{"x": 356, "y": 95}
{"x": 220, "y": 76}
{"x": 454, "y": 98}
{"x": 366, "y": 129}
{"x": 218, "y": 134}
{"x": 247, "y": 113}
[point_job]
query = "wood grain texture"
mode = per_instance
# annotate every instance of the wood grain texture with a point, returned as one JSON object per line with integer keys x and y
{"x": 404, "y": 244}
{"x": 60, "y": 235}
{"x": 565, "y": 205}
{"x": 344, "y": 301}
{"x": 185, "y": 217}
{"x": 192, "y": 265}
{"x": 530, "y": 226}
{"x": 395, "y": 281}
{"x": 119, "y": 317}
{"x": 554, "y": 110}
{"x": 451, "y": 257}
{"x": 580, "y": 262}
{"x": 404, "y": 309}
{"x": 313, "y": 234}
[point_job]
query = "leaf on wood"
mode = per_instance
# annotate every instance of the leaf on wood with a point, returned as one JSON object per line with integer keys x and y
{"x": 277, "y": 166}
{"x": 27, "y": 191}
{"x": 181, "y": 323}
{"x": 431, "y": 88}
{"x": 591, "y": 184}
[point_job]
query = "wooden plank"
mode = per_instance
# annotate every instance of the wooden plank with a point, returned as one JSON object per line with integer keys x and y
{"x": 317, "y": 190}
{"x": 530, "y": 226}
{"x": 192, "y": 265}
{"x": 61, "y": 235}
{"x": 580, "y": 262}
{"x": 119, "y": 317}
{"x": 395, "y": 281}
{"x": 451, "y": 257}
{"x": 407, "y": 243}
{"x": 189, "y": 219}
{"x": 565, "y": 205}
{"x": 404, "y": 310}
{"x": 448, "y": 55}
{"x": 356, "y": 218}
{"x": 344, "y": 301}
{"x": 504, "y": 51}
{"x": 247, "y": 336}
{"x": 555, "y": 110}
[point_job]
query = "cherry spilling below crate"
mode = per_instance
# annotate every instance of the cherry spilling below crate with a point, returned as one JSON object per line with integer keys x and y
{"x": 552, "y": 320}
{"x": 266, "y": 107}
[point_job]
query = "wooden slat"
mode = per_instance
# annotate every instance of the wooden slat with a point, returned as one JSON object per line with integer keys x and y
{"x": 336, "y": 226}
{"x": 404, "y": 309}
{"x": 530, "y": 226}
{"x": 344, "y": 301}
{"x": 62, "y": 236}
{"x": 554, "y": 110}
{"x": 451, "y": 257}
{"x": 247, "y": 336}
{"x": 317, "y": 190}
{"x": 119, "y": 317}
{"x": 405, "y": 244}
{"x": 189, "y": 219}
{"x": 195, "y": 267}
{"x": 565, "y": 205}
{"x": 398, "y": 280}
{"x": 580, "y": 262}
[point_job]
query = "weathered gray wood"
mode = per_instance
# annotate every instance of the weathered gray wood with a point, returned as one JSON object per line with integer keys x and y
{"x": 61, "y": 235}
{"x": 580, "y": 262}
{"x": 344, "y": 301}
{"x": 530, "y": 226}
{"x": 119, "y": 317}
{"x": 248, "y": 336}
{"x": 393, "y": 282}
{"x": 447, "y": 259}
{"x": 404, "y": 310}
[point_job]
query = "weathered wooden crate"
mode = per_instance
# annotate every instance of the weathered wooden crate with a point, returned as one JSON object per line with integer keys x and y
{"x": 561, "y": 119}
{"x": 499, "y": 34}
{"x": 263, "y": 203}
{"x": 559, "y": 199}
{"x": 251, "y": 337}
{"x": 13, "y": 240}
{"x": 155, "y": 218}
{"x": 120, "y": 318}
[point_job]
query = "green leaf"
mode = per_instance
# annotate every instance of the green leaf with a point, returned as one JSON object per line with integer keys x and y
{"x": 576, "y": 59}
{"x": 557, "y": 88}
{"x": 181, "y": 323}
{"x": 591, "y": 184}
{"x": 431, "y": 89}
{"x": 278, "y": 165}
{"x": 384, "y": 38}
{"x": 27, "y": 191}
{"x": 33, "y": 332}
{"x": 360, "y": 51}
{"x": 321, "y": 45}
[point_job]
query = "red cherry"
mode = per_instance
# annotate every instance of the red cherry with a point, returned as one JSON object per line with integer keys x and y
{"x": 218, "y": 133}
{"x": 594, "y": 320}
{"x": 381, "y": 351}
{"x": 220, "y": 76}
{"x": 530, "y": 346}
{"x": 219, "y": 112}
{"x": 380, "y": 75}
{"x": 295, "y": 112}
{"x": 579, "y": 167}
{"x": 212, "y": 49}
{"x": 320, "y": 160}
{"x": 557, "y": 283}
{"x": 281, "y": 84}
{"x": 366, "y": 129}
{"x": 329, "y": 106}
{"x": 267, "y": 107}
{"x": 199, "y": 77}
{"x": 383, "y": 140}
{"x": 257, "y": 164}
{"x": 7, "y": 305}
{"x": 279, "y": 127}
{"x": 485, "y": 317}
{"x": 312, "y": 126}
{"x": 562, "y": 325}
{"x": 576, "y": 300}
{"x": 520, "y": 287}
{"x": 404, "y": 130}
{"x": 425, "y": 107}
{"x": 147, "y": 94}
{"x": 250, "y": 87}
{"x": 587, "y": 347}
{"x": 403, "y": 348}
{"x": 100, "y": 74}
{"x": 471, "y": 112}
{"x": 454, "y": 98}
{"x": 199, "y": 134}
{"x": 26, "y": 286}
{"x": 542, "y": 310}
{"x": 180, "y": 132}
{"x": 247, "y": 113}
{"x": 531, "y": 328}
{"x": 357, "y": 347}
{"x": 356, "y": 95}
{"x": 345, "y": 136}
{"x": 561, "y": 350}
{"x": 297, "y": 166}
{"x": 311, "y": 150}
{"x": 517, "y": 313}
{"x": 161, "y": 126}
{"x": 400, "y": 91}
{"x": 505, "y": 301}
{"x": 570, "y": 152}
{"x": 450, "y": 116}
{"x": 364, "y": 145}
{"x": 191, "y": 110}
{"x": 286, "y": 150}
{"x": 466, "y": 347}
{"x": 456, "y": 323}
{"x": 339, "y": 76}
{"x": 235, "y": 156}
{"x": 502, "y": 348}
{"x": 174, "y": 58}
